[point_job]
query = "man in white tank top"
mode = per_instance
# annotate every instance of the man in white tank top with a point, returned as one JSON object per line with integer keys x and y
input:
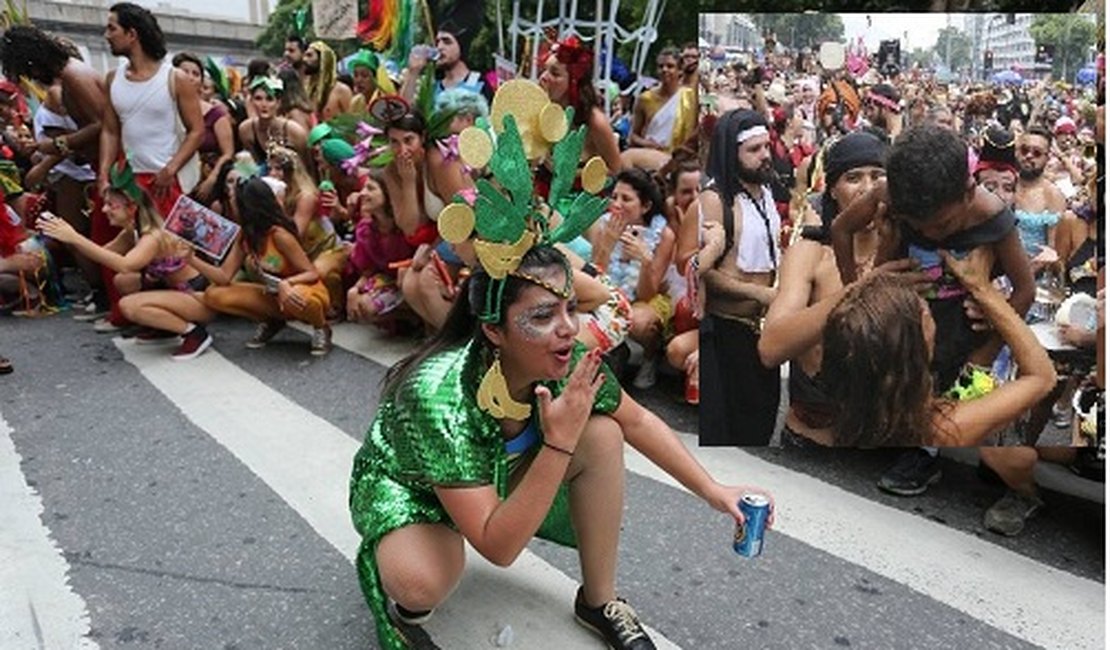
{"x": 146, "y": 102}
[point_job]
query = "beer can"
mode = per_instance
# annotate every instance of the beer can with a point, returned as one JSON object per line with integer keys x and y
{"x": 748, "y": 541}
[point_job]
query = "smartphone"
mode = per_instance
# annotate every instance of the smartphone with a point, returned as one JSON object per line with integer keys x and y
{"x": 271, "y": 282}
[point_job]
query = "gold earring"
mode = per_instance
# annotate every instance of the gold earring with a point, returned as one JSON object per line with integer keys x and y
{"x": 494, "y": 397}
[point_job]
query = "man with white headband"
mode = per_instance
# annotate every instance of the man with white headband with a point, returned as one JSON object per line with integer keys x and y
{"x": 740, "y": 398}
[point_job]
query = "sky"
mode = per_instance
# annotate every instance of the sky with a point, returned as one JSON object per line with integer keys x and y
{"x": 920, "y": 29}
{"x": 228, "y": 8}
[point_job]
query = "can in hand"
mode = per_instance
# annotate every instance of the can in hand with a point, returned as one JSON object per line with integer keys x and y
{"x": 748, "y": 541}
{"x": 321, "y": 209}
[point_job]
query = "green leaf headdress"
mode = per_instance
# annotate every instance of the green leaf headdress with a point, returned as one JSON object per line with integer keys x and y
{"x": 507, "y": 216}
{"x": 122, "y": 179}
{"x": 219, "y": 77}
{"x": 272, "y": 85}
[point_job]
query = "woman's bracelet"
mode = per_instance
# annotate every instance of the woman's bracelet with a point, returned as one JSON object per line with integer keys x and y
{"x": 558, "y": 449}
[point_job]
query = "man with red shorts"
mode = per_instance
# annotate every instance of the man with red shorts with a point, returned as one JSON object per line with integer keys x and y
{"x": 153, "y": 114}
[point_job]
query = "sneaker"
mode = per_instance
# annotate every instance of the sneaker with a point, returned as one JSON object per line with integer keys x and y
{"x": 1062, "y": 417}
{"x": 912, "y": 474}
{"x": 645, "y": 376}
{"x": 321, "y": 341}
{"x": 154, "y": 335}
{"x": 193, "y": 344}
{"x": 266, "y": 331}
{"x": 615, "y": 621}
{"x": 407, "y": 617}
{"x": 89, "y": 314}
{"x": 1007, "y": 516}
{"x": 106, "y": 326}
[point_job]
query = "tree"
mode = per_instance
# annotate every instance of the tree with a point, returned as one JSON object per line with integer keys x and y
{"x": 921, "y": 58}
{"x": 675, "y": 27}
{"x": 802, "y": 29}
{"x": 959, "y": 56}
{"x": 1072, "y": 34}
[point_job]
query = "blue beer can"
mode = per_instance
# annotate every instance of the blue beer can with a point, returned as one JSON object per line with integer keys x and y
{"x": 748, "y": 541}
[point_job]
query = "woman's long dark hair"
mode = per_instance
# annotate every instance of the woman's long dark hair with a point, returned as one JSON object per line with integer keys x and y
{"x": 875, "y": 343}
{"x": 462, "y": 321}
{"x": 259, "y": 211}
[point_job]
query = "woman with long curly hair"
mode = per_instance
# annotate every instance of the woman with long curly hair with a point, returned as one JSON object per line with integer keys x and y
{"x": 878, "y": 343}
{"x": 568, "y": 79}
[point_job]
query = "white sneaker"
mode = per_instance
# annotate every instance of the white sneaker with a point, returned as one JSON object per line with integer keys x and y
{"x": 105, "y": 326}
{"x": 645, "y": 376}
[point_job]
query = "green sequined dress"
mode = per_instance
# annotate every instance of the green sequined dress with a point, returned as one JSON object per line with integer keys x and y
{"x": 429, "y": 433}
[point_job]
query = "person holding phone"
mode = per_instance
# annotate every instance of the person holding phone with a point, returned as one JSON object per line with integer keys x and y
{"x": 160, "y": 290}
{"x": 635, "y": 246}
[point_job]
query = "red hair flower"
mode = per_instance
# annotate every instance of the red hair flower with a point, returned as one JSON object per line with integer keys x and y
{"x": 579, "y": 61}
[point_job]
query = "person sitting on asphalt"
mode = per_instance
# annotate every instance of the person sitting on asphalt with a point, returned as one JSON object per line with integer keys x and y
{"x": 283, "y": 286}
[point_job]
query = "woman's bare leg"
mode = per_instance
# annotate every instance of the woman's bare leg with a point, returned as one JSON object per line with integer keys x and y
{"x": 420, "y": 565}
{"x": 172, "y": 311}
{"x": 596, "y": 480}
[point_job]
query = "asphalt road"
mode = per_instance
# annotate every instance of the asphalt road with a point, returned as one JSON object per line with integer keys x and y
{"x": 152, "y": 504}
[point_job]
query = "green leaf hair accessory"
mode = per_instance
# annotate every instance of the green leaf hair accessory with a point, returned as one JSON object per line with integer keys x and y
{"x": 122, "y": 179}
{"x": 219, "y": 77}
{"x": 271, "y": 85}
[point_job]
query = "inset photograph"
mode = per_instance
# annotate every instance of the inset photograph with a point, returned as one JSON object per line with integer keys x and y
{"x": 900, "y": 229}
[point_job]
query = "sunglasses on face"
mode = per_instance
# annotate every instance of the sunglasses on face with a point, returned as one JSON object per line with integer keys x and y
{"x": 1031, "y": 151}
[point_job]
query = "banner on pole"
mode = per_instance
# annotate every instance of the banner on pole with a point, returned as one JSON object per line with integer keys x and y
{"x": 335, "y": 19}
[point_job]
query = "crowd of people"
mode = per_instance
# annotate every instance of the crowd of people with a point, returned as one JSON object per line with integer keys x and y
{"x": 915, "y": 250}
{"x": 172, "y": 190}
{"x": 925, "y": 256}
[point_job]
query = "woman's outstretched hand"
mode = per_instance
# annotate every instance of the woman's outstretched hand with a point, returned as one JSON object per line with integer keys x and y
{"x": 56, "y": 228}
{"x": 563, "y": 418}
{"x": 726, "y": 498}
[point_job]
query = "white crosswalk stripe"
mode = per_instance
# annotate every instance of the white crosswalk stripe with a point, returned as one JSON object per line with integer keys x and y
{"x": 305, "y": 460}
{"x": 38, "y": 609}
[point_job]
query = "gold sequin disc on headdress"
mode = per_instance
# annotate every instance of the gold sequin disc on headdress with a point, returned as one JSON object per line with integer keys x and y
{"x": 594, "y": 174}
{"x": 553, "y": 123}
{"x": 501, "y": 259}
{"x": 475, "y": 147}
{"x": 456, "y": 222}
{"x": 524, "y": 100}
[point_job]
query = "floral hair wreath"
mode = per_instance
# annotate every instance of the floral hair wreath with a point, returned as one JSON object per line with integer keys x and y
{"x": 579, "y": 61}
{"x": 508, "y": 217}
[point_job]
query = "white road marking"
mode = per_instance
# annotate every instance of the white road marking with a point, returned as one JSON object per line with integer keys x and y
{"x": 307, "y": 462}
{"x": 366, "y": 341}
{"x": 1030, "y": 600}
{"x": 38, "y": 609}
{"x": 1023, "y": 597}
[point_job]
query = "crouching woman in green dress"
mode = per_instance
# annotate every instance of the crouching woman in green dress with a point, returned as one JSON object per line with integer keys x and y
{"x": 500, "y": 428}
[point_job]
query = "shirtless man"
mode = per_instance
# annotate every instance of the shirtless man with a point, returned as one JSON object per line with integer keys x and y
{"x": 740, "y": 398}
{"x": 80, "y": 91}
{"x": 329, "y": 96}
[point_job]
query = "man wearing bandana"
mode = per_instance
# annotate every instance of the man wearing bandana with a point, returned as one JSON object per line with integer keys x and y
{"x": 740, "y": 397}
{"x": 882, "y": 109}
